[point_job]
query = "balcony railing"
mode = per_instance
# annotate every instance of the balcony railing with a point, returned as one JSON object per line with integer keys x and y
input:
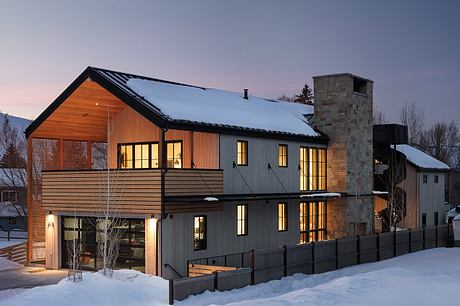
{"x": 126, "y": 191}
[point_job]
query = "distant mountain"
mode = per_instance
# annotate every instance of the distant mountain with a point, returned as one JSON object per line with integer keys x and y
{"x": 20, "y": 123}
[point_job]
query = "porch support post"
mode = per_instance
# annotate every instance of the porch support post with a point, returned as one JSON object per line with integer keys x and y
{"x": 30, "y": 234}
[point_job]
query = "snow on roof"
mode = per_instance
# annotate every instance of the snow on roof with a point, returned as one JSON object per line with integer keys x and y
{"x": 13, "y": 177}
{"x": 7, "y": 209}
{"x": 421, "y": 159}
{"x": 214, "y": 106}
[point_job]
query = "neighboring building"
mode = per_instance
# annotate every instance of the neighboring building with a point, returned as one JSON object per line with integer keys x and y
{"x": 197, "y": 172}
{"x": 12, "y": 217}
{"x": 13, "y": 198}
{"x": 454, "y": 187}
{"x": 419, "y": 186}
{"x": 425, "y": 187}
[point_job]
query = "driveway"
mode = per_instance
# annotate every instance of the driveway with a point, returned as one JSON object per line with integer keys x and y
{"x": 29, "y": 277}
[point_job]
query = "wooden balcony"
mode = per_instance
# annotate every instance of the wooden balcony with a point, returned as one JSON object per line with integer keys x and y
{"x": 131, "y": 191}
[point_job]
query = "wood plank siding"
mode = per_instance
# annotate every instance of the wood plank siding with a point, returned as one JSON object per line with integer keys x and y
{"x": 131, "y": 127}
{"x": 132, "y": 191}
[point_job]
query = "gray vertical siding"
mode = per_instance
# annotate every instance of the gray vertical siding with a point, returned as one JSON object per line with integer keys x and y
{"x": 221, "y": 233}
{"x": 261, "y": 151}
{"x": 432, "y": 197}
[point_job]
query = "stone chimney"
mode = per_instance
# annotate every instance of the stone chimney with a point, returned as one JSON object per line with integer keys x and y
{"x": 343, "y": 111}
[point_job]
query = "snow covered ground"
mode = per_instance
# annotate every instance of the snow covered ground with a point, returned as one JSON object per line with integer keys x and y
{"x": 424, "y": 278}
{"x": 5, "y": 264}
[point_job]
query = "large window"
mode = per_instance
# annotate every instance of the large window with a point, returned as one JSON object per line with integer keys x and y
{"x": 242, "y": 153}
{"x": 88, "y": 233}
{"x": 303, "y": 168}
{"x": 322, "y": 164}
{"x": 138, "y": 156}
{"x": 9, "y": 196}
{"x": 282, "y": 217}
{"x": 146, "y": 155}
{"x": 199, "y": 233}
{"x": 241, "y": 219}
{"x": 174, "y": 154}
{"x": 312, "y": 168}
{"x": 282, "y": 155}
{"x": 313, "y": 222}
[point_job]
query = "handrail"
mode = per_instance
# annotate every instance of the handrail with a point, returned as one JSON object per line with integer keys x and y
{"x": 137, "y": 169}
{"x": 168, "y": 265}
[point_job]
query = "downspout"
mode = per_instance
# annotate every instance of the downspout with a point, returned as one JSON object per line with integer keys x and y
{"x": 163, "y": 210}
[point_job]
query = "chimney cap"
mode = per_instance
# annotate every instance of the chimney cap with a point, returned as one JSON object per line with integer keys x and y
{"x": 341, "y": 75}
{"x": 245, "y": 95}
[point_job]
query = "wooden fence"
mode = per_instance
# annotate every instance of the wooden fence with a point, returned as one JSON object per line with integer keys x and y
{"x": 16, "y": 252}
{"x": 311, "y": 258}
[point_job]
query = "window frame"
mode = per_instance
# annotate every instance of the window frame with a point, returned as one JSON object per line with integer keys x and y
{"x": 133, "y": 160}
{"x": 310, "y": 233}
{"x": 204, "y": 239}
{"x": 436, "y": 179}
{"x": 283, "y": 221}
{"x": 181, "y": 153}
{"x": 243, "y": 220}
{"x": 238, "y": 154}
{"x": 425, "y": 178}
{"x": 304, "y": 172}
{"x": 286, "y": 158}
{"x": 9, "y": 191}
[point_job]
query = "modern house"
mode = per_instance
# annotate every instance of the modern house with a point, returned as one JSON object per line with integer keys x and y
{"x": 197, "y": 172}
{"x": 415, "y": 181}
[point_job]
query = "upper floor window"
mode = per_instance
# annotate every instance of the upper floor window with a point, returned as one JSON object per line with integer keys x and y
{"x": 282, "y": 155}
{"x": 303, "y": 168}
{"x": 282, "y": 217}
{"x": 135, "y": 156}
{"x": 425, "y": 178}
{"x": 174, "y": 154}
{"x": 9, "y": 196}
{"x": 241, "y": 219}
{"x": 242, "y": 153}
{"x": 436, "y": 179}
{"x": 199, "y": 233}
{"x": 146, "y": 155}
{"x": 312, "y": 168}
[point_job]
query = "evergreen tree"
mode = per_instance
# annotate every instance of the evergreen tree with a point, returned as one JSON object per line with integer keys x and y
{"x": 12, "y": 158}
{"x": 305, "y": 96}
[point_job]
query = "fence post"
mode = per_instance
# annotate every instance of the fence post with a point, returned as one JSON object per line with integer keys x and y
{"x": 358, "y": 249}
{"x": 424, "y": 237}
{"x": 171, "y": 292}
{"x": 313, "y": 257}
{"x": 378, "y": 246}
{"x": 436, "y": 234}
{"x": 336, "y": 253}
{"x": 8, "y": 235}
{"x": 252, "y": 267}
{"x": 216, "y": 280}
{"x": 394, "y": 243}
{"x": 285, "y": 260}
{"x": 410, "y": 240}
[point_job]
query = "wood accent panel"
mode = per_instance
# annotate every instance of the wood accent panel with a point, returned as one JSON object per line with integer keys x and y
{"x": 130, "y": 127}
{"x": 127, "y": 127}
{"x": 198, "y": 270}
{"x": 193, "y": 182}
{"x": 16, "y": 253}
{"x": 206, "y": 150}
{"x": 83, "y": 116}
{"x": 132, "y": 192}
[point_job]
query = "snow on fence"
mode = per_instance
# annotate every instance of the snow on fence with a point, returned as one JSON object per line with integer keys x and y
{"x": 16, "y": 252}
{"x": 312, "y": 258}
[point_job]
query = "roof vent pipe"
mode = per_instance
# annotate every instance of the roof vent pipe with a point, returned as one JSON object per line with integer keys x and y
{"x": 245, "y": 96}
